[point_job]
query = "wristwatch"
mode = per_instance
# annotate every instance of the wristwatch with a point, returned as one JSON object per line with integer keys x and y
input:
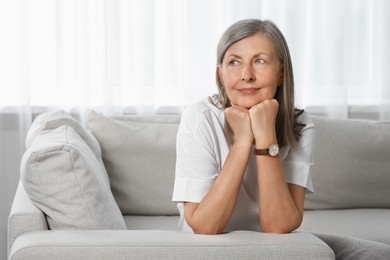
{"x": 272, "y": 150}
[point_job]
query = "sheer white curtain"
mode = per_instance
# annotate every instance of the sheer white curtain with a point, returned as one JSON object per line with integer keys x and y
{"x": 147, "y": 56}
{"x": 152, "y": 53}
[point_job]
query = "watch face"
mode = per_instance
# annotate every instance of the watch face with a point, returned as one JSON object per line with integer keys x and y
{"x": 273, "y": 150}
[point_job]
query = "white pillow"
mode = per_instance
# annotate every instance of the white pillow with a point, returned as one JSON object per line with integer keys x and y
{"x": 65, "y": 179}
{"x": 139, "y": 153}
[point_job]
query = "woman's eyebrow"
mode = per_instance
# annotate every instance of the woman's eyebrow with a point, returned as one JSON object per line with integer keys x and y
{"x": 256, "y": 55}
{"x": 261, "y": 54}
{"x": 233, "y": 55}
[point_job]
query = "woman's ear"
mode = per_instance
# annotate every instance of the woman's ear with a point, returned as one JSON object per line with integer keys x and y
{"x": 280, "y": 81}
{"x": 219, "y": 72}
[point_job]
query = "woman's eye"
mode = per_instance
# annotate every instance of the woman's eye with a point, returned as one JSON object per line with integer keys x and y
{"x": 234, "y": 62}
{"x": 260, "y": 61}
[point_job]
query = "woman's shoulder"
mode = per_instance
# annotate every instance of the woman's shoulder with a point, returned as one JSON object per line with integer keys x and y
{"x": 200, "y": 109}
{"x": 200, "y": 116}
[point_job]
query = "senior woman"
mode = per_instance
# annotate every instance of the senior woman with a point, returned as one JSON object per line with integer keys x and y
{"x": 244, "y": 155}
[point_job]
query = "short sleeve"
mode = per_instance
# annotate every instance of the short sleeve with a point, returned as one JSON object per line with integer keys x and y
{"x": 197, "y": 164}
{"x": 195, "y": 170}
{"x": 299, "y": 161}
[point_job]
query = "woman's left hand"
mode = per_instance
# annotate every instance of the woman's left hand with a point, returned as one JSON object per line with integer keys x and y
{"x": 263, "y": 120}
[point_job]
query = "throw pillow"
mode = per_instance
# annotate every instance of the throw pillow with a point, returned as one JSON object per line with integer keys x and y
{"x": 139, "y": 153}
{"x": 54, "y": 119}
{"x": 65, "y": 179}
{"x": 51, "y": 120}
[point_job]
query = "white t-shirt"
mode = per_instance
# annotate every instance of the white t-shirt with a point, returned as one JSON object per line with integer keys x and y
{"x": 201, "y": 152}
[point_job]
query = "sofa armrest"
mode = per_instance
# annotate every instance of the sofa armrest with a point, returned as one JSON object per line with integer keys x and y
{"x": 160, "y": 244}
{"x": 24, "y": 217}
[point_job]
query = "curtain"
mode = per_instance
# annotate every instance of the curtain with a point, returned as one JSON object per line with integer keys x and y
{"x": 151, "y": 54}
{"x": 157, "y": 56}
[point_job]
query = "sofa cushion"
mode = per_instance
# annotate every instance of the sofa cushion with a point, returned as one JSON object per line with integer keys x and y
{"x": 139, "y": 153}
{"x": 152, "y": 222}
{"x": 369, "y": 224}
{"x": 65, "y": 179}
{"x": 352, "y": 164}
{"x": 166, "y": 244}
{"x": 54, "y": 119}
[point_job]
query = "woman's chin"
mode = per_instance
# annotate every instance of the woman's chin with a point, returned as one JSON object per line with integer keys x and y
{"x": 246, "y": 104}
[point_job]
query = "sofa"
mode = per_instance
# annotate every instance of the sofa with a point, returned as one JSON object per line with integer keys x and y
{"x": 100, "y": 188}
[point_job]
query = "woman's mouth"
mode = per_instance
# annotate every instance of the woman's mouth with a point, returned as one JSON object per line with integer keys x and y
{"x": 248, "y": 91}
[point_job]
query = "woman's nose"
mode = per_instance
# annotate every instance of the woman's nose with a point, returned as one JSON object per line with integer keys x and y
{"x": 247, "y": 74}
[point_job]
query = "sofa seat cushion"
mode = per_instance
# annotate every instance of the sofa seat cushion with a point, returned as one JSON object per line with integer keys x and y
{"x": 139, "y": 153}
{"x": 134, "y": 222}
{"x": 66, "y": 179}
{"x": 370, "y": 224}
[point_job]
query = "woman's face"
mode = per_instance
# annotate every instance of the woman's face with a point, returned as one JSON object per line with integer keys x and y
{"x": 250, "y": 71}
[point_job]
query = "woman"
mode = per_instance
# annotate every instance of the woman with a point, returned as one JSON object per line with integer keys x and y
{"x": 244, "y": 155}
{"x": 221, "y": 185}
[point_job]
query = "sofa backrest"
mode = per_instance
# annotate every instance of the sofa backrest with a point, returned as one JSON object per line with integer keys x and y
{"x": 351, "y": 169}
{"x": 351, "y": 164}
{"x": 139, "y": 153}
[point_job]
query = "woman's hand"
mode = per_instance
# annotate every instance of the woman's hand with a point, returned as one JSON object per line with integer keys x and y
{"x": 263, "y": 122}
{"x": 240, "y": 122}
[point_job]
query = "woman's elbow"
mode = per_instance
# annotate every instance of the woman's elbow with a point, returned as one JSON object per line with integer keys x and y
{"x": 201, "y": 227}
{"x": 205, "y": 230}
{"x": 281, "y": 228}
{"x": 277, "y": 230}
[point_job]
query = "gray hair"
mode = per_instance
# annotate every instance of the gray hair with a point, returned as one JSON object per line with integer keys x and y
{"x": 287, "y": 128}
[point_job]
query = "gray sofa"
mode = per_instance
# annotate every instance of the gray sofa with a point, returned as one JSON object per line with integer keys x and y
{"x": 104, "y": 193}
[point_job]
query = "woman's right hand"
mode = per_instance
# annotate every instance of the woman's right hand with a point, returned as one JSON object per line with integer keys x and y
{"x": 240, "y": 123}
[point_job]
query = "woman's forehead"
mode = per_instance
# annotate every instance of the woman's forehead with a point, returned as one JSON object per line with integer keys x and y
{"x": 256, "y": 44}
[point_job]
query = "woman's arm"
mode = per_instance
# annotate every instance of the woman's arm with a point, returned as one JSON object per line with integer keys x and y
{"x": 280, "y": 204}
{"x": 213, "y": 213}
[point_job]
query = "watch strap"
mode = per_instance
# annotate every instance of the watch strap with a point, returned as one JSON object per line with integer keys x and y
{"x": 261, "y": 151}
{"x": 272, "y": 150}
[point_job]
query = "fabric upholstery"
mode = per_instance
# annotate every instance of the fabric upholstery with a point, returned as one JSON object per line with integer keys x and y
{"x": 139, "y": 154}
{"x": 351, "y": 165}
{"x": 67, "y": 181}
{"x": 24, "y": 217}
{"x": 152, "y": 222}
{"x": 368, "y": 223}
{"x": 350, "y": 248}
{"x": 158, "y": 244}
{"x": 52, "y": 120}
